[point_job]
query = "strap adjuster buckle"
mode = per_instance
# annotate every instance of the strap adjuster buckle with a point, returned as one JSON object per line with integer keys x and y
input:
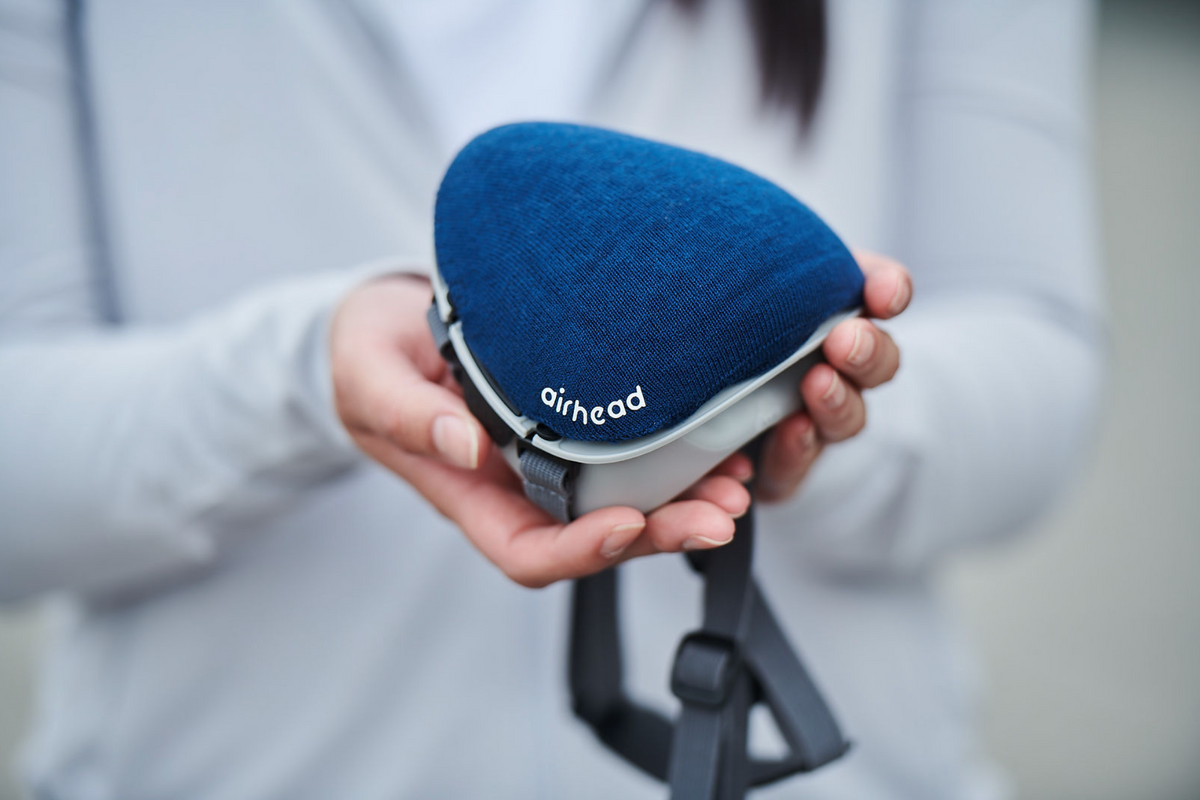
{"x": 706, "y": 666}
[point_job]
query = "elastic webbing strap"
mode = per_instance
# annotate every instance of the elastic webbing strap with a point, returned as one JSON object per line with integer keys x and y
{"x": 803, "y": 717}
{"x": 547, "y": 483}
{"x": 738, "y": 657}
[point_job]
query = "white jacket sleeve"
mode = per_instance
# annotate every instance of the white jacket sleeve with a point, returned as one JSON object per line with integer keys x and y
{"x": 1002, "y": 351}
{"x": 124, "y": 451}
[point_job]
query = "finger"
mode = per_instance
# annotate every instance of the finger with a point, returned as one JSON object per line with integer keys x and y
{"x": 669, "y": 528}
{"x": 387, "y": 395}
{"x": 723, "y": 491}
{"x": 862, "y": 353}
{"x": 521, "y": 539}
{"x": 788, "y": 454}
{"x": 738, "y": 466}
{"x": 540, "y": 555}
{"x": 687, "y": 525}
{"x": 384, "y": 304}
{"x": 887, "y": 286}
{"x": 833, "y": 403}
{"x": 487, "y": 503}
{"x": 530, "y": 547}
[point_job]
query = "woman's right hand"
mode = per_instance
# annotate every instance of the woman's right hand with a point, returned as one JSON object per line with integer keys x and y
{"x": 395, "y": 396}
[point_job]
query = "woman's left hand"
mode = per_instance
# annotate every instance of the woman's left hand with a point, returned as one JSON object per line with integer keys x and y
{"x": 860, "y": 356}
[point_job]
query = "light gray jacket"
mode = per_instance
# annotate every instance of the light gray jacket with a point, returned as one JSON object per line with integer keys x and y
{"x": 247, "y": 609}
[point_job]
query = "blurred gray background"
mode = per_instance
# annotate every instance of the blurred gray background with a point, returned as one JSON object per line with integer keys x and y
{"x": 1088, "y": 628}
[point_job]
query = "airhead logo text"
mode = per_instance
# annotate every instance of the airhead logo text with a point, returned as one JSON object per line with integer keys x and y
{"x": 597, "y": 415}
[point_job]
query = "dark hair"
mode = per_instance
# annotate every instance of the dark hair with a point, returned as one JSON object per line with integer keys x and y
{"x": 790, "y": 39}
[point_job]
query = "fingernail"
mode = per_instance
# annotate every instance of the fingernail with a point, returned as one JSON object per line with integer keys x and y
{"x": 619, "y": 538}
{"x": 456, "y": 441}
{"x": 835, "y": 395}
{"x": 703, "y": 543}
{"x": 901, "y": 298}
{"x": 740, "y": 514}
{"x": 863, "y": 347}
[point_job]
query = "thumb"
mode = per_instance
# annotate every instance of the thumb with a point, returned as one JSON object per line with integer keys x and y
{"x": 419, "y": 416}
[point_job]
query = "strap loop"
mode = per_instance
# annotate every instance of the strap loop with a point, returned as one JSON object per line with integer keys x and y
{"x": 706, "y": 665}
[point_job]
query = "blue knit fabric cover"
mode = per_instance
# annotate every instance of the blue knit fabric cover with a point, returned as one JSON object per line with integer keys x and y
{"x": 611, "y": 285}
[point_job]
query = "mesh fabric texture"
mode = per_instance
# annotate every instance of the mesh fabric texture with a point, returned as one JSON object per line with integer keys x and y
{"x": 611, "y": 285}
